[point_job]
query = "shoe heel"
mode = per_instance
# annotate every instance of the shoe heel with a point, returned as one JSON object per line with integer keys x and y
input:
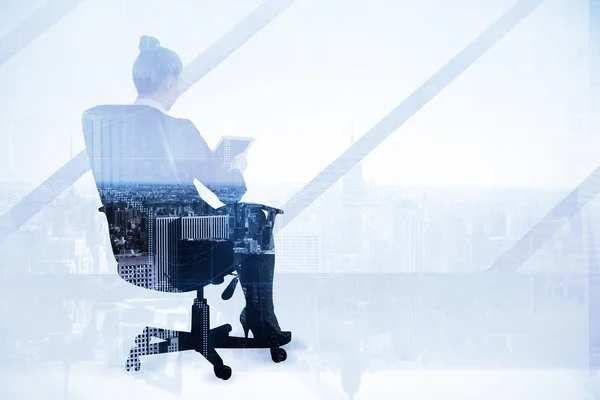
{"x": 246, "y": 330}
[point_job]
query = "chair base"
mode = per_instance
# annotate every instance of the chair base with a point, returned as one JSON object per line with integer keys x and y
{"x": 201, "y": 339}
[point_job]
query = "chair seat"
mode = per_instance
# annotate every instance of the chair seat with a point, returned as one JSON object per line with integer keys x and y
{"x": 201, "y": 262}
{"x": 168, "y": 262}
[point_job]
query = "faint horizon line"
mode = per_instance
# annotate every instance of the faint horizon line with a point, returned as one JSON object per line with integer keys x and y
{"x": 450, "y": 186}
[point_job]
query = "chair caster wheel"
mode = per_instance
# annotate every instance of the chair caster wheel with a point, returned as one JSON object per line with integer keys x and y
{"x": 278, "y": 355}
{"x": 222, "y": 372}
{"x": 133, "y": 363}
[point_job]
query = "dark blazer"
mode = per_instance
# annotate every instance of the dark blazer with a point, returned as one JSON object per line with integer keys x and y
{"x": 136, "y": 145}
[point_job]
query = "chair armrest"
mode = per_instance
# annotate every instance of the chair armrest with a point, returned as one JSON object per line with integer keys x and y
{"x": 269, "y": 209}
{"x": 272, "y": 209}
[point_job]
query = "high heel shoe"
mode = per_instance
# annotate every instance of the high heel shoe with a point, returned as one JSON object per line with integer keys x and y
{"x": 258, "y": 317}
{"x": 264, "y": 332}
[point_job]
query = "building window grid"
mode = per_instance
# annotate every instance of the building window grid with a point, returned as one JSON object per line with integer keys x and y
{"x": 303, "y": 248}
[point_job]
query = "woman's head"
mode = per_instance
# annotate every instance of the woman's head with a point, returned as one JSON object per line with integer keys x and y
{"x": 156, "y": 72}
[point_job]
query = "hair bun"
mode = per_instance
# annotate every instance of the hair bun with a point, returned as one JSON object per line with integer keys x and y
{"x": 148, "y": 43}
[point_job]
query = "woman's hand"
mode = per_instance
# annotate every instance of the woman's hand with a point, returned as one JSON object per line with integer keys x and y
{"x": 239, "y": 162}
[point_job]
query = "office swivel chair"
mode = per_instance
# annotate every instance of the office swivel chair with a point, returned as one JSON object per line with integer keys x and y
{"x": 166, "y": 238}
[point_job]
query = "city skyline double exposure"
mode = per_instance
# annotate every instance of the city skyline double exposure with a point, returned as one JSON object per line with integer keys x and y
{"x": 456, "y": 229}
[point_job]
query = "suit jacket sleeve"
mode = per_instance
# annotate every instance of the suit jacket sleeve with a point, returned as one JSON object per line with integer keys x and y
{"x": 194, "y": 159}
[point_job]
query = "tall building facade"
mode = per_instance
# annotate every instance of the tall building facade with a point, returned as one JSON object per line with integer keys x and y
{"x": 352, "y": 225}
{"x": 353, "y": 184}
{"x": 498, "y": 222}
{"x": 408, "y": 233}
{"x": 170, "y": 230}
{"x": 138, "y": 271}
{"x": 299, "y": 251}
{"x": 166, "y": 236}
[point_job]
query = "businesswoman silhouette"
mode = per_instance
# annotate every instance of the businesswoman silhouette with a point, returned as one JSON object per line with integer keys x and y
{"x": 152, "y": 159}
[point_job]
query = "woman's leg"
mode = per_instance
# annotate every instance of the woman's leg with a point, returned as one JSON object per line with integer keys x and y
{"x": 256, "y": 278}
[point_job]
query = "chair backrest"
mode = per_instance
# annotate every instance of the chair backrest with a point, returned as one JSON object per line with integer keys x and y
{"x": 147, "y": 206}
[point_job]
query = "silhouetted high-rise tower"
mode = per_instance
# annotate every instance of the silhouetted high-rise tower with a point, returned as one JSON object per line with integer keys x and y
{"x": 353, "y": 194}
{"x": 353, "y": 185}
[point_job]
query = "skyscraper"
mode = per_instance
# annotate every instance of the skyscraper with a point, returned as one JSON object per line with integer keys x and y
{"x": 138, "y": 271}
{"x": 498, "y": 222}
{"x": 353, "y": 203}
{"x": 353, "y": 184}
{"x": 408, "y": 231}
{"x": 170, "y": 230}
{"x": 299, "y": 251}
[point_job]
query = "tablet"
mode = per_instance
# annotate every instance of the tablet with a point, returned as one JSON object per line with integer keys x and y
{"x": 231, "y": 146}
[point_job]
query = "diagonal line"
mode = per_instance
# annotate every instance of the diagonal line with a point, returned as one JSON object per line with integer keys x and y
{"x": 73, "y": 170}
{"x": 34, "y": 26}
{"x": 232, "y": 40}
{"x": 419, "y": 98}
{"x": 550, "y": 224}
{"x": 41, "y": 196}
